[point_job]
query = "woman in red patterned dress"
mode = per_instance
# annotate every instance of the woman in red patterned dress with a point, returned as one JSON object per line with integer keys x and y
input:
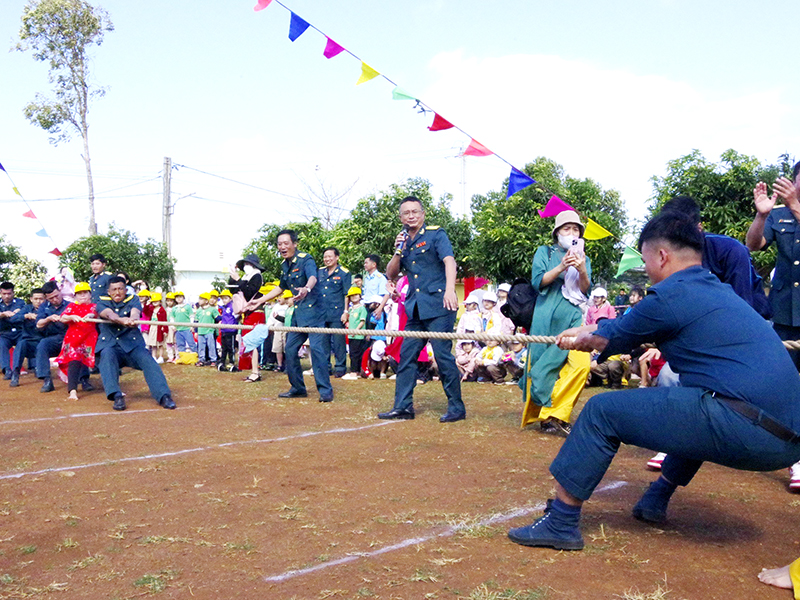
{"x": 77, "y": 351}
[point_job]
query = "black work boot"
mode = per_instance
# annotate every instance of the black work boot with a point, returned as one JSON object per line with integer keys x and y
{"x": 47, "y": 385}
{"x": 14, "y": 378}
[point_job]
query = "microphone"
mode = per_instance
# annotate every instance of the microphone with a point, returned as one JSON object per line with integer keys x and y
{"x": 399, "y": 245}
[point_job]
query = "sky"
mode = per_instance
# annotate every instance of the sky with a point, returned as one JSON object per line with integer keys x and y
{"x": 610, "y": 90}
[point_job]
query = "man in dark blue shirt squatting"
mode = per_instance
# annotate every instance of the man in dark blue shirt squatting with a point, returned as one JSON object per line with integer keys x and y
{"x": 425, "y": 255}
{"x": 120, "y": 344}
{"x": 739, "y": 404}
{"x": 299, "y": 275}
{"x": 10, "y": 325}
{"x": 30, "y": 338}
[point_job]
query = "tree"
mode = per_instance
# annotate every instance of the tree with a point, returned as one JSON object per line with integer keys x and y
{"x": 374, "y": 223}
{"x": 27, "y": 274}
{"x": 312, "y": 238}
{"x": 61, "y": 32}
{"x": 508, "y": 230}
{"x": 148, "y": 261}
{"x": 723, "y": 190}
{"x": 9, "y": 255}
{"x": 324, "y": 203}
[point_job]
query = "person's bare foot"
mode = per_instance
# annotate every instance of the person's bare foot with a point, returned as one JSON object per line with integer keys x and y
{"x": 73, "y": 395}
{"x": 777, "y": 577}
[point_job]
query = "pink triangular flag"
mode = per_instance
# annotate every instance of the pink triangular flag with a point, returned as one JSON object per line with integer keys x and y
{"x": 332, "y": 49}
{"x": 475, "y": 148}
{"x": 554, "y": 206}
{"x": 261, "y": 5}
{"x": 439, "y": 123}
{"x": 29, "y": 214}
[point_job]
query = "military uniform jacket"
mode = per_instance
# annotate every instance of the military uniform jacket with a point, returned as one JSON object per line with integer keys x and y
{"x": 333, "y": 287}
{"x": 127, "y": 338}
{"x": 296, "y": 272}
{"x": 52, "y": 329}
{"x": 99, "y": 285}
{"x": 12, "y": 324}
{"x": 29, "y": 329}
{"x": 782, "y": 228}
{"x": 422, "y": 260}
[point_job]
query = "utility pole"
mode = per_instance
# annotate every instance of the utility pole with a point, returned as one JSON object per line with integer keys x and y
{"x": 166, "y": 219}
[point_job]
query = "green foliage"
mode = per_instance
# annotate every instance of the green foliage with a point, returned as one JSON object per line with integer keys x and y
{"x": 148, "y": 261}
{"x": 60, "y": 32}
{"x": 724, "y": 191}
{"x": 508, "y": 231}
{"x": 9, "y": 255}
{"x": 27, "y": 274}
{"x": 312, "y": 238}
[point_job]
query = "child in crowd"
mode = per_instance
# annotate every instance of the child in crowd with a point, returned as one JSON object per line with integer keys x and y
{"x": 147, "y": 313}
{"x": 490, "y": 317}
{"x": 599, "y": 307}
{"x": 277, "y": 317}
{"x": 357, "y": 319}
{"x": 377, "y": 350}
{"x": 77, "y": 350}
{"x": 488, "y": 366}
{"x": 227, "y": 336}
{"x": 172, "y": 351}
{"x": 471, "y": 321}
{"x": 636, "y": 296}
{"x": 182, "y": 313}
{"x": 466, "y": 353}
{"x": 156, "y": 338}
{"x": 514, "y": 361}
{"x": 206, "y": 342}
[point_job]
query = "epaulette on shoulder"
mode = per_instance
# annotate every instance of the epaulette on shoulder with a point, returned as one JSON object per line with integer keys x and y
{"x": 129, "y": 298}
{"x": 107, "y": 273}
{"x": 105, "y": 297}
{"x": 432, "y": 227}
{"x": 344, "y": 269}
{"x": 302, "y": 254}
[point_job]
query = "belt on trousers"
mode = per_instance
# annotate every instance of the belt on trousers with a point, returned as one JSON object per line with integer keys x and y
{"x": 760, "y": 418}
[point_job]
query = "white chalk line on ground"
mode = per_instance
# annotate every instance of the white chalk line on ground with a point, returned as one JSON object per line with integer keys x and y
{"x": 95, "y": 414}
{"x": 450, "y": 531}
{"x": 112, "y": 461}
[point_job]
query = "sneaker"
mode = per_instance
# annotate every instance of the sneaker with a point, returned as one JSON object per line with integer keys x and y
{"x": 308, "y": 372}
{"x": 350, "y": 376}
{"x": 233, "y": 369}
{"x": 654, "y": 464}
{"x": 550, "y": 531}
{"x": 160, "y": 360}
{"x": 556, "y": 427}
{"x": 383, "y": 376}
{"x": 794, "y": 481}
{"x": 512, "y": 382}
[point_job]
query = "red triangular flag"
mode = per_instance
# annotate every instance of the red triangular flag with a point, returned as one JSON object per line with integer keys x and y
{"x": 29, "y": 214}
{"x": 55, "y": 251}
{"x": 439, "y": 124}
{"x": 475, "y": 148}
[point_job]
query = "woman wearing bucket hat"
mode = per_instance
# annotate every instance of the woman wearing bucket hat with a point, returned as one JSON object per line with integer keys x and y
{"x": 249, "y": 286}
{"x": 554, "y": 378}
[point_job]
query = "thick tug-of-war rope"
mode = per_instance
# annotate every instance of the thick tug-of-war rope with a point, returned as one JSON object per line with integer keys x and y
{"x": 436, "y": 335}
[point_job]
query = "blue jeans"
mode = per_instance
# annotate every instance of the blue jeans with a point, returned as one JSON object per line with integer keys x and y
{"x": 687, "y": 423}
{"x": 185, "y": 341}
{"x": 442, "y": 351}
{"x": 113, "y": 358}
{"x": 206, "y": 340}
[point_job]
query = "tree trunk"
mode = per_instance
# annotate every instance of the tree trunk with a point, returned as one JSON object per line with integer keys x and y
{"x": 88, "y": 162}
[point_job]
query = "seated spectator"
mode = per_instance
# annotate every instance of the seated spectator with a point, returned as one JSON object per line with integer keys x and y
{"x": 502, "y": 294}
{"x": 30, "y": 338}
{"x": 634, "y": 298}
{"x": 599, "y": 307}
{"x": 622, "y": 297}
{"x": 514, "y": 361}
{"x": 466, "y": 353}
{"x": 650, "y": 365}
{"x": 472, "y": 320}
{"x": 121, "y": 344}
{"x": 488, "y": 366}
{"x": 491, "y": 315}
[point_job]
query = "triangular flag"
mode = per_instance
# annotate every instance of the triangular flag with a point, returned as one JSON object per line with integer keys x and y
{"x": 629, "y": 260}
{"x": 367, "y": 73}
{"x": 55, "y": 251}
{"x": 517, "y": 182}
{"x": 42, "y": 233}
{"x": 297, "y": 27}
{"x": 475, "y": 148}
{"x": 29, "y": 214}
{"x": 399, "y": 93}
{"x": 2, "y": 168}
{"x": 595, "y": 231}
{"x": 440, "y": 124}
{"x": 16, "y": 191}
{"x": 332, "y": 49}
{"x": 554, "y": 206}
{"x": 261, "y": 5}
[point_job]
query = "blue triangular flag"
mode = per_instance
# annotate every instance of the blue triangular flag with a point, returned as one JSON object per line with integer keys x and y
{"x": 297, "y": 27}
{"x": 518, "y": 181}
{"x": 42, "y": 233}
{"x": 2, "y": 169}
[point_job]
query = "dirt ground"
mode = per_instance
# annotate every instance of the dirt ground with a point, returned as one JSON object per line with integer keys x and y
{"x": 239, "y": 494}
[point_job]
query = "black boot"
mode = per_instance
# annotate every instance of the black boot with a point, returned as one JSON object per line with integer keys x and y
{"x": 119, "y": 401}
{"x": 14, "y": 378}
{"x": 47, "y": 385}
{"x": 7, "y": 373}
{"x": 86, "y": 385}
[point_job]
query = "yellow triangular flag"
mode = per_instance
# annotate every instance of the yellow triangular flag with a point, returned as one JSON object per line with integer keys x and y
{"x": 16, "y": 191}
{"x": 367, "y": 73}
{"x": 594, "y": 231}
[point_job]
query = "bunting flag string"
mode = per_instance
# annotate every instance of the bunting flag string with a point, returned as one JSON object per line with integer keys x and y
{"x": 517, "y": 179}
{"x": 29, "y": 213}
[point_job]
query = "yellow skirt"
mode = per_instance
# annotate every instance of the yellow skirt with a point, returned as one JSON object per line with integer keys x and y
{"x": 571, "y": 381}
{"x": 794, "y": 573}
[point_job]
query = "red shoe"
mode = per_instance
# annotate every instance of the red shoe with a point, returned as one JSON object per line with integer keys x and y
{"x": 655, "y": 462}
